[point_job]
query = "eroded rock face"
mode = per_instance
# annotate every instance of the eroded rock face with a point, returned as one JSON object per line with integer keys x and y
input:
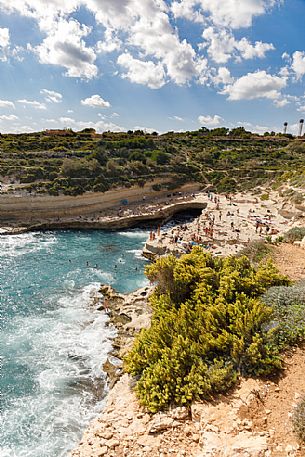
{"x": 125, "y": 429}
{"x": 128, "y": 313}
{"x": 207, "y": 430}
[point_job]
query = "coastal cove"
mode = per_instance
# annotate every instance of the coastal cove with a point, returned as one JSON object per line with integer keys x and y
{"x": 53, "y": 341}
{"x": 152, "y": 228}
{"x": 58, "y": 343}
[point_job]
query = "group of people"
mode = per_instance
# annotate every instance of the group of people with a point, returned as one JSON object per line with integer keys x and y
{"x": 225, "y": 218}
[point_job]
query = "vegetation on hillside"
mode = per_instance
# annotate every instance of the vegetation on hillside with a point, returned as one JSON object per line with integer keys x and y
{"x": 288, "y": 304}
{"x": 75, "y": 162}
{"x": 209, "y": 326}
{"x": 298, "y": 420}
{"x": 294, "y": 234}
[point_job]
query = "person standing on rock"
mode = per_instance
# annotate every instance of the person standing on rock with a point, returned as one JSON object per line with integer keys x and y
{"x": 106, "y": 305}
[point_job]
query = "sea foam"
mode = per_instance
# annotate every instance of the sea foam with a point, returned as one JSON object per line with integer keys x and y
{"x": 53, "y": 341}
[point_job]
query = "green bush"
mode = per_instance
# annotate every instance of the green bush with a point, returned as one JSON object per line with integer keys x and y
{"x": 256, "y": 251}
{"x": 294, "y": 234}
{"x": 208, "y": 327}
{"x": 226, "y": 185}
{"x": 264, "y": 197}
{"x": 156, "y": 187}
{"x": 160, "y": 157}
{"x": 288, "y": 304}
{"x": 80, "y": 168}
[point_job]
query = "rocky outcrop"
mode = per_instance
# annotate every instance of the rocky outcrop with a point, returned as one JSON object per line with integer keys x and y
{"x": 239, "y": 424}
{"x": 34, "y": 209}
{"x": 128, "y": 313}
{"x": 125, "y": 429}
{"x": 140, "y": 215}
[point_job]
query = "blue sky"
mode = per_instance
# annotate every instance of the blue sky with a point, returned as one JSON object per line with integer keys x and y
{"x": 153, "y": 64}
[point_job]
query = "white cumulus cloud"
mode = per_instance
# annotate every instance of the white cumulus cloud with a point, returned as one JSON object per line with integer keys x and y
{"x": 8, "y": 117}
{"x": 6, "y": 104}
{"x": 95, "y": 101}
{"x": 223, "y": 76}
{"x": 32, "y": 103}
{"x": 51, "y": 96}
{"x": 65, "y": 46}
{"x": 4, "y": 37}
{"x": 110, "y": 43}
{"x": 255, "y": 85}
{"x": 236, "y": 13}
{"x": 45, "y": 12}
{"x": 222, "y": 46}
{"x": 298, "y": 63}
{"x": 210, "y": 121}
{"x": 4, "y": 43}
{"x": 100, "y": 126}
{"x": 281, "y": 103}
{"x": 142, "y": 72}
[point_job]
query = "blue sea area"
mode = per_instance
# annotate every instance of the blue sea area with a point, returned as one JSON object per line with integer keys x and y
{"x": 52, "y": 342}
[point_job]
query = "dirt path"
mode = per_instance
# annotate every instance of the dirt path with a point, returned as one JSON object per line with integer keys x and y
{"x": 290, "y": 260}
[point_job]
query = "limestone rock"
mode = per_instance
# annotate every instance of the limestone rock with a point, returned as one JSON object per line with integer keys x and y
{"x": 160, "y": 423}
{"x": 179, "y": 413}
{"x": 113, "y": 443}
{"x": 103, "y": 451}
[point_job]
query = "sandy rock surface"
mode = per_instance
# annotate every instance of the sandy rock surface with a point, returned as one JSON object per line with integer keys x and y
{"x": 234, "y": 225}
{"x": 253, "y": 421}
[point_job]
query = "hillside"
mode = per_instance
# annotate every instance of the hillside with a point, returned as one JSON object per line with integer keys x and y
{"x": 71, "y": 163}
{"x": 252, "y": 420}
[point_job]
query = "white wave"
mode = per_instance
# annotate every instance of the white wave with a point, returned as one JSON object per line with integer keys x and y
{"x": 67, "y": 347}
{"x": 25, "y": 243}
{"x": 69, "y": 284}
{"x": 137, "y": 253}
{"x": 140, "y": 234}
{"x": 6, "y": 452}
{"x": 141, "y": 282}
{"x": 54, "y": 429}
{"x": 104, "y": 276}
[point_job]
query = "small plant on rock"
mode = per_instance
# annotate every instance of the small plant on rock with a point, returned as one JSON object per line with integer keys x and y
{"x": 294, "y": 234}
{"x": 298, "y": 420}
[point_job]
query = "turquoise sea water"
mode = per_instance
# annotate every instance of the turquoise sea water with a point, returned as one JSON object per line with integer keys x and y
{"x": 52, "y": 343}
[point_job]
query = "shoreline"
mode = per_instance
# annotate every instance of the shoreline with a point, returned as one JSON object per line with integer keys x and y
{"x": 159, "y": 212}
{"x": 124, "y": 428}
{"x": 227, "y": 225}
{"x": 31, "y": 210}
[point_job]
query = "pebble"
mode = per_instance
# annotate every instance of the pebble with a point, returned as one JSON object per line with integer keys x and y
{"x": 107, "y": 434}
{"x": 113, "y": 443}
{"x": 196, "y": 437}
